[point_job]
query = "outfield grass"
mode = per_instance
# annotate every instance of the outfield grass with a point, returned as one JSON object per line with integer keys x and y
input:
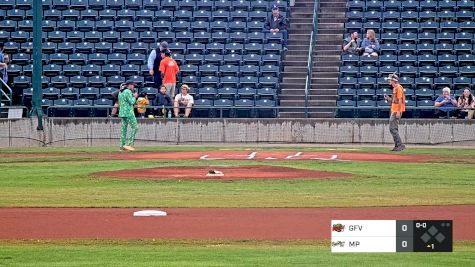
{"x": 70, "y": 183}
{"x": 213, "y": 253}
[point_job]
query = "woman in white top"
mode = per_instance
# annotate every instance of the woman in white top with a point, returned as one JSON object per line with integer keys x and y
{"x": 183, "y": 100}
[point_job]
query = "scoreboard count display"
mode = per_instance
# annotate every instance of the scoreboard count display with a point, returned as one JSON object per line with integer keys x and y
{"x": 391, "y": 235}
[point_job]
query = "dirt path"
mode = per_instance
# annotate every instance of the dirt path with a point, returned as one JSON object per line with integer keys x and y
{"x": 211, "y": 223}
{"x": 270, "y": 155}
{"x": 230, "y": 173}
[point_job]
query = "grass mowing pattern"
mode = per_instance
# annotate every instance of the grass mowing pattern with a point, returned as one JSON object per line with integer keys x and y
{"x": 213, "y": 253}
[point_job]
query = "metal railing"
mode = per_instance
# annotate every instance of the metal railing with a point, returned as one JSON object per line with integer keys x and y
{"x": 213, "y": 111}
{"x": 220, "y": 112}
{"x": 313, "y": 34}
{"x": 8, "y": 95}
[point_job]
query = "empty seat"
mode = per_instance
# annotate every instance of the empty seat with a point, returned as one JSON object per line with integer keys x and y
{"x": 70, "y": 93}
{"x": 96, "y": 81}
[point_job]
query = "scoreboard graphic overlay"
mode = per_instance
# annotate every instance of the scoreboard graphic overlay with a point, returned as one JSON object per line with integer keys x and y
{"x": 391, "y": 235}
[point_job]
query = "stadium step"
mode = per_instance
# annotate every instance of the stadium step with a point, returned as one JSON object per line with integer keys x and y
{"x": 300, "y": 75}
{"x": 306, "y": 15}
{"x": 300, "y": 69}
{"x": 327, "y": 52}
{"x": 319, "y": 68}
{"x": 319, "y": 91}
{"x": 326, "y": 86}
{"x": 292, "y": 96}
{"x": 326, "y": 25}
{"x": 326, "y": 59}
{"x": 293, "y": 79}
{"x": 307, "y": 4}
{"x": 321, "y": 103}
{"x": 292, "y": 103}
{"x": 292, "y": 90}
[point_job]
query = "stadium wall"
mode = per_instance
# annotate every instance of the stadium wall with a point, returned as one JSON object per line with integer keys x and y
{"x": 86, "y": 132}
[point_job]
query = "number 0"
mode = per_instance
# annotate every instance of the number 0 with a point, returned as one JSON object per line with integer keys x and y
{"x": 404, "y": 228}
{"x": 404, "y": 244}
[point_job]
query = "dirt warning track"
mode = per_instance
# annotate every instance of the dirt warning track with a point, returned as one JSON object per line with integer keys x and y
{"x": 212, "y": 223}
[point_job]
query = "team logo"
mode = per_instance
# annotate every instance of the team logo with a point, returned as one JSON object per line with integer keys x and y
{"x": 338, "y": 227}
{"x": 338, "y": 244}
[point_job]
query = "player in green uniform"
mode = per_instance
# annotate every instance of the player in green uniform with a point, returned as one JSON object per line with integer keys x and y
{"x": 127, "y": 99}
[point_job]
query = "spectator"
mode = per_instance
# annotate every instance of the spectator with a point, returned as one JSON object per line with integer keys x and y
{"x": 4, "y": 68}
{"x": 4, "y": 60}
{"x": 351, "y": 44}
{"x": 142, "y": 103}
{"x": 466, "y": 103}
{"x": 115, "y": 99}
{"x": 162, "y": 101}
{"x": 370, "y": 45}
{"x": 153, "y": 64}
{"x": 446, "y": 104}
{"x": 169, "y": 69}
{"x": 277, "y": 23}
{"x": 183, "y": 100}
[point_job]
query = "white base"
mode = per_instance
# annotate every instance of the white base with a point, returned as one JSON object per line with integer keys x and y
{"x": 148, "y": 213}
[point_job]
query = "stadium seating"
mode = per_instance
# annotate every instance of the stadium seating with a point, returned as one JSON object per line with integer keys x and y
{"x": 428, "y": 43}
{"x": 95, "y": 44}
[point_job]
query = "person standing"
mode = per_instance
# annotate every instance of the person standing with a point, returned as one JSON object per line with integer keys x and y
{"x": 398, "y": 106}
{"x": 169, "y": 69}
{"x": 153, "y": 64}
{"x": 126, "y": 114}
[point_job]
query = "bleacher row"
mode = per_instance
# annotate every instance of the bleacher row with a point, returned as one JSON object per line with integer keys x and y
{"x": 92, "y": 45}
{"x": 430, "y": 44}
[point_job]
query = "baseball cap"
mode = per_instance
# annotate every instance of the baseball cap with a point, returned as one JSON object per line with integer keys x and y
{"x": 275, "y": 7}
{"x": 392, "y": 77}
{"x": 129, "y": 83}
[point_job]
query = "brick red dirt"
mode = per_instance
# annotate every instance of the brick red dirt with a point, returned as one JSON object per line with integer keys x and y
{"x": 212, "y": 223}
{"x": 269, "y": 155}
{"x": 230, "y": 173}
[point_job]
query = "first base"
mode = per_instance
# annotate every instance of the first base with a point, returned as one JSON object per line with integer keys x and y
{"x": 148, "y": 213}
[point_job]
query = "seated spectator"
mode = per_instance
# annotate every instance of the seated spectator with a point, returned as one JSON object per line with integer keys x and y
{"x": 446, "y": 103}
{"x": 183, "y": 100}
{"x": 370, "y": 45}
{"x": 351, "y": 44}
{"x": 115, "y": 99}
{"x": 277, "y": 23}
{"x": 142, "y": 103}
{"x": 466, "y": 103}
{"x": 162, "y": 102}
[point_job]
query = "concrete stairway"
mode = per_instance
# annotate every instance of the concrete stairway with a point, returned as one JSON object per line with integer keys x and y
{"x": 326, "y": 58}
{"x": 295, "y": 70}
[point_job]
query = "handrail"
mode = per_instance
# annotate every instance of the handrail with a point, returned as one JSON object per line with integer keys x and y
{"x": 9, "y": 89}
{"x": 311, "y": 47}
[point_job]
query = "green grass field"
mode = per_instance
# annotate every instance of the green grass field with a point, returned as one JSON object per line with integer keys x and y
{"x": 68, "y": 181}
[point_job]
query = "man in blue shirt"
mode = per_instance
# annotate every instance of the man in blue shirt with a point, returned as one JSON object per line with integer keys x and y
{"x": 446, "y": 103}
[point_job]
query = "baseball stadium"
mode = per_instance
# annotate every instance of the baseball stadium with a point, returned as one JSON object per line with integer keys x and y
{"x": 237, "y": 133}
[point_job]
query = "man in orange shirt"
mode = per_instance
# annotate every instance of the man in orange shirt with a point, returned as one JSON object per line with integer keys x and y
{"x": 398, "y": 106}
{"x": 169, "y": 69}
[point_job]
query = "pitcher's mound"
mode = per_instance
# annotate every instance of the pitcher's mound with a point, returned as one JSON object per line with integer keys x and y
{"x": 228, "y": 173}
